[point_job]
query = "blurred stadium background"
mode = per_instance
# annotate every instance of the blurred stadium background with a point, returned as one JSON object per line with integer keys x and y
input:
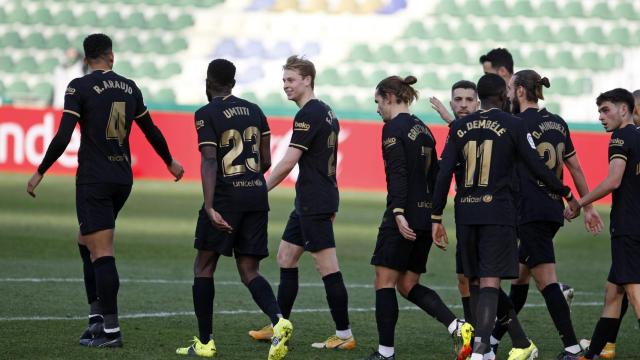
{"x": 584, "y": 47}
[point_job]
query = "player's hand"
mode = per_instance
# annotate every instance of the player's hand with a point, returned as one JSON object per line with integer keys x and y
{"x": 176, "y": 169}
{"x": 33, "y": 183}
{"x": 573, "y": 210}
{"x": 404, "y": 228}
{"x": 333, "y": 217}
{"x": 592, "y": 220}
{"x": 439, "y": 236}
{"x": 218, "y": 221}
{"x": 437, "y": 105}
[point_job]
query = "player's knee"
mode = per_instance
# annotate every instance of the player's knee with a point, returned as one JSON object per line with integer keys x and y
{"x": 405, "y": 287}
{"x": 286, "y": 261}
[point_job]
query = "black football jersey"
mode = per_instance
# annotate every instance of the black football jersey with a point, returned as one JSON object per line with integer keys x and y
{"x": 315, "y": 132}
{"x": 486, "y": 144}
{"x": 552, "y": 138}
{"x": 106, "y": 104}
{"x": 235, "y": 127}
{"x": 411, "y": 166}
{"x": 625, "y": 208}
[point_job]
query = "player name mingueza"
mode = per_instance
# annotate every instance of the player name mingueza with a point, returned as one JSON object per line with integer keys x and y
{"x": 547, "y": 126}
{"x": 483, "y": 124}
{"x": 235, "y": 111}
{"x": 113, "y": 84}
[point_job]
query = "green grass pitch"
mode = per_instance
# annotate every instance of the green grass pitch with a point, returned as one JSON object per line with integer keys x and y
{"x": 42, "y": 301}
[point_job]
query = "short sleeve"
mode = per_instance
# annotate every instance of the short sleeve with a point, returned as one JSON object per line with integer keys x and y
{"x": 304, "y": 130}
{"x": 264, "y": 125}
{"x": 73, "y": 98}
{"x": 618, "y": 148}
{"x": 141, "y": 108}
{"x": 569, "y": 149}
{"x": 204, "y": 127}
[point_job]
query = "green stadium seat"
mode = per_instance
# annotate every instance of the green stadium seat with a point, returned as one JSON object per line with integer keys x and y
{"x": 625, "y": 10}
{"x": 431, "y": 80}
{"x": 111, "y": 19}
{"x": 475, "y": 7}
{"x": 159, "y": 21}
{"x": 130, "y": 44}
{"x": 250, "y": 96}
{"x": 537, "y": 58}
{"x": 64, "y": 17}
{"x": 17, "y": 89}
{"x": 412, "y": 54}
{"x": 3, "y": 16}
{"x": 329, "y": 77}
{"x": 435, "y": 55}
{"x": 183, "y": 21}
{"x": 169, "y": 70}
{"x": 274, "y": 100}
{"x": 165, "y": 96}
{"x": 58, "y": 41}
{"x": 452, "y": 78}
{"x": 567, "y": 33}
{"x": 26, "y": 65}
{"x": 594, "y": 34}
{"x": 516, "y": 54}
{"x": 376, "y": 76}
{"x": 42, "y": 16}
{"x": 354, "y": 77}
{"x": 88, "y": 18}
{"x": 360, "y": 52}
{"x": 564, "y": 59}
{"x": 582, "y": 86}
{"x": 447, "y": 7}
{"x": 601, "y": 10}
{"x": 548, "y": 9}
{"x": 440, "y": 30}
{"x": 517, "y": 31}
{"x": 135, "y": 20}
{"x": 459, "y": 55}
{"x": 11, "y": 39}
{"x": 621, "y": 35}
{"x": 416, "y": 30}
{"x": 176, "y": 45}
{"x": 559, "y": 85}
{"x": 48, "y": 65}
{"x": 590, "y": 60}
{"x": 499, "y": 8}
{"x": 542, "y": 33}
{"x": 153, "y": 45}
{"x": 611, "y": 61}
{"x": 522, "y": 8}
{"x": 124, "y": 68}
{"x": 385, "y": 53}
{"x": 43, "y": 91}
{"x": 573, "y": 9}
{"x": 35, "y": 40}
{"x": 348, "y": 102}
{"x": 466, "y": 30}
{"x": 19, "y": 15}
{"x": 491, "y": 31}
{"x": 552, "y": 107}
{"x": 146, "y": 69}
{"x": 2, "y": 89}
{"x": 6, "y": 63}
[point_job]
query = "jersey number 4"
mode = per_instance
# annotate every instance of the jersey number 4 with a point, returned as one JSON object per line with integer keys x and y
{"x": 117, "y": 125}
{"x": 236, "y": 140}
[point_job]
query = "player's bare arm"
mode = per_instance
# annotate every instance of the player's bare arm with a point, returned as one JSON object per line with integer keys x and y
{"x": 208, "y": 171}
{"x": 284, "y": 167}
{"x": 610, "y": 183}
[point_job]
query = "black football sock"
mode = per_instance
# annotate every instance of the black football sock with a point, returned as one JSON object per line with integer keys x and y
{"x": 505, "y": 306}
{"x": 107, "y": 285}
{"x": 560, "y": 313}
{"x": 265, "y": 299}
{"x": 466, "y": 307}
{"x": 518, "y": 295}
{"x": 386, "y": 315}
{"x": 474, "y": 295}
{"x": 338, "y": 299}
{"x": 95, "y": 312}
{"x": 287, "y": 290}
{"x": 600, "y": 335}
{"x": 204, "y": 291}
{"x": 427, "y": 300}
{"x": 613, "y": 336}
{"x": 485, "y": 318}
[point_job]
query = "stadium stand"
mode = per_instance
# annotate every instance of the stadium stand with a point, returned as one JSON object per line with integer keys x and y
{"x": 582, "y": 46}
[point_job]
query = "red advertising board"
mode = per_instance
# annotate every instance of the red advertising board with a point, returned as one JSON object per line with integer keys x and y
{"x": 25, "y": 133}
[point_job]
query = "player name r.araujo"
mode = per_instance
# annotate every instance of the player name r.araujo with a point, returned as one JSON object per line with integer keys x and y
{"x": 235, "y": 111}
{"x": 113, "y": 84}
{"x": 483, "y": 124}
{"x": 549, "y": 125}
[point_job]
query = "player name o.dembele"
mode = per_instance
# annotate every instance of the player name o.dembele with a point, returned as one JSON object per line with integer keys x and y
{"x": 113, "y": 84}
{"x": 235, "y": 111}
{"x": 547, "y": 126}
{"x": 483, "y": 124}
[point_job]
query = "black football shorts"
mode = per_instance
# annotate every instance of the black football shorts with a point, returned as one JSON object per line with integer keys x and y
{"x": 536, "y": 243}
{"x": 313, "y": 232}
{"x": 248, "y": 238}
{"x": 488, "y": 251}
{"x": 97, "y": 205}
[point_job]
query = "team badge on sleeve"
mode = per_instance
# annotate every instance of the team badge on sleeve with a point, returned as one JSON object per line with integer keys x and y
{"x": 70, "y": 91}
{"x": 199, "y": 124}
{"x": 530, "y": 140}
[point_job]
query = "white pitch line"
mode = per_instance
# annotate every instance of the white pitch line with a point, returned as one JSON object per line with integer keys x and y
{"x": 225, "y": 283}
{"x": 239, "y": 312}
